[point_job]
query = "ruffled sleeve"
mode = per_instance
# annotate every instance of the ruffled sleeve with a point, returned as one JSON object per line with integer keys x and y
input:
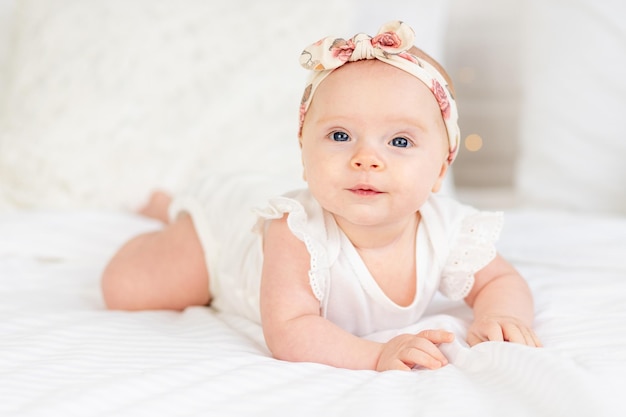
{"x": 305, "y": 219}
{"x": 471, "y": 250}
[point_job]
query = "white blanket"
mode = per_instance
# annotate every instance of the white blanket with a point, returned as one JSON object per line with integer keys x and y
{"x": 62, "y": 353}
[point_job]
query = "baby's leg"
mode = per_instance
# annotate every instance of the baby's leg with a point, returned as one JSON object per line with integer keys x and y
{"x": 158, "y": 270}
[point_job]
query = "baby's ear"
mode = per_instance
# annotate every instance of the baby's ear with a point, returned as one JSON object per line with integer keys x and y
{"x": 442, "y": 175}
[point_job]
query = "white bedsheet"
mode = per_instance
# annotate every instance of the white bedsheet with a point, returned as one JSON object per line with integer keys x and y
{"x": 62, "y": 353}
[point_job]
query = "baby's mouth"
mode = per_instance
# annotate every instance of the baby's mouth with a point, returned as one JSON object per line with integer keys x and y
{"x": 365, "y": 190}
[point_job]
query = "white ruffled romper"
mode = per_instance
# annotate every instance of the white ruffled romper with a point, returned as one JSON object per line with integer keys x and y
{"x": 453, "y": 242}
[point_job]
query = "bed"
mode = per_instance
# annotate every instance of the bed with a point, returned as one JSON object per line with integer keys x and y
{"x": 70, "y": 183}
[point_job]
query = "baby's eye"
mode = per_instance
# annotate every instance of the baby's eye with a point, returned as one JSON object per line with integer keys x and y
{"x": 340, "y": 136}
{"x": 400, "y": 142}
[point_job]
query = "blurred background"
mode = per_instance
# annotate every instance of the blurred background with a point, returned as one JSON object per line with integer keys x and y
{"x": 534, "y": 81}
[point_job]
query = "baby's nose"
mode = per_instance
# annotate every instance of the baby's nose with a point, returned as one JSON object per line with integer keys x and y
{"x": 366, "y": 159}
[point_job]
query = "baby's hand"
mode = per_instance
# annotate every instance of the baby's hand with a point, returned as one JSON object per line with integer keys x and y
{"x": 501, "y": 329}
{"x": 405, "y": 351}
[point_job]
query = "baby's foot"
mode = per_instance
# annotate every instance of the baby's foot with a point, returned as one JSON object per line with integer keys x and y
{"x": 157, "y": 206}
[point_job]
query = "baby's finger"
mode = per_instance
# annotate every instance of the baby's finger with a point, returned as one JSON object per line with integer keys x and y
{"x": 531, "y": 337}
{"x": 397, "y": 365}
{"x": 423, "y": 347}
{"x": 514, "y": 334}
{"x": 474, "y": 339}
{"x": 437, "y": 336}
{"x": 418, "y": 357}
{"x": 536, "y": 339}
{"x": 495, "y": 333}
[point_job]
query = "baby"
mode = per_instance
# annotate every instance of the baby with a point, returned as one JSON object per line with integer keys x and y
{"x": 363, "y": 248}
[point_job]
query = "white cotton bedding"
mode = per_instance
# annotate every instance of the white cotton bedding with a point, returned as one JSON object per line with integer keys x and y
{"x": 63, "y": 354}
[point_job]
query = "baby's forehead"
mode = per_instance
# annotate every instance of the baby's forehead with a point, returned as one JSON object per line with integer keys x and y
{"x": 375, "y": 72}
{"x": 376, "y": 88}
{"x": 365, "y": 65}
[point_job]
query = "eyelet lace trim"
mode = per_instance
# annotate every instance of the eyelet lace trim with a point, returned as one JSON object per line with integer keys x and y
{"x": 473, "y": 250}
{"x": 297, "y": 220}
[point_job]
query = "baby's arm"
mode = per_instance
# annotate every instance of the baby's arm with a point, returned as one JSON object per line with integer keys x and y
{"x": 503, "y": 306}
{"x": 295, "y": 331}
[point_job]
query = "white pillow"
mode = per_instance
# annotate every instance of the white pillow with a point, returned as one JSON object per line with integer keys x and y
{"x": 573, "y": 143}
{"x": 109, "y": 99}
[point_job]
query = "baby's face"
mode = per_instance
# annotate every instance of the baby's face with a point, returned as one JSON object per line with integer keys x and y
{"x": 374, "y": 144}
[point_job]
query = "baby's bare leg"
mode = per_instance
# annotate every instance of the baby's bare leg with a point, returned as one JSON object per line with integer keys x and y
{"x": 158, "y": 270}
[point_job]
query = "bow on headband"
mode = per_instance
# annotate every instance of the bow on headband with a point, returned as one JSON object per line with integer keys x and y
{"x": 390, "y": 45}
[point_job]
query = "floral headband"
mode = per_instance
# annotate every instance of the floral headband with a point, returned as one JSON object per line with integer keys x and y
{"x": 391, "y": 46}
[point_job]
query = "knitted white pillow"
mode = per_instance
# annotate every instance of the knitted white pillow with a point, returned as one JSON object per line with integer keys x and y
{"x": 109, "y": 99}
{"x": 573, "y": 147}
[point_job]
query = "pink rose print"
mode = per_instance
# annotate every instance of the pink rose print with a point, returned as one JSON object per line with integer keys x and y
{"x": 303, "y": 103}
{"x": 452, "y": 153}
{"x": 387, "y": 39}
{"x": 409, "y": 57}
{"x": 442, "y": 99}
{"x": 301, "y": 121}
{"x": 342, "y": 49}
